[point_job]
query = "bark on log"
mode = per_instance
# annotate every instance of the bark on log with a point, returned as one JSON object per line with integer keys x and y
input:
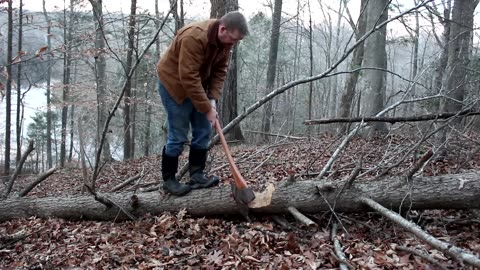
{"x": 460, "y": 191}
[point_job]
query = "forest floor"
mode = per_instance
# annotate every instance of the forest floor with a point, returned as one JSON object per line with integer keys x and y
{"x": 178, "y": 241}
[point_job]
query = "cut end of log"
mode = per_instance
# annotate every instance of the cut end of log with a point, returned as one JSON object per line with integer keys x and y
{"x": 264, "y": 198}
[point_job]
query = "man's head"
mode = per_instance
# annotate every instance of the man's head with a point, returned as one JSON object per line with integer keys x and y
{"x": 233, "y": 28}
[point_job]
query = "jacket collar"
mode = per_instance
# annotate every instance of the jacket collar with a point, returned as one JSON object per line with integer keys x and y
{"x": 212, "y": 33}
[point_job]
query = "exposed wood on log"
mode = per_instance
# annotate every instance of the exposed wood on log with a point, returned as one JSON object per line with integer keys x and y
{"x": 391, "y": 120}
{"x": 460, "y": 254}
{"x": 441, "y": 192}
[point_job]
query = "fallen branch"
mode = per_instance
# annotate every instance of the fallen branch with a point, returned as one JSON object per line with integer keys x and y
{"x": 276, "y": 135}
{"x": 419, "y": 164}
{"x": 423, "y": 256}
{"x": 283, "y": 222}
{"x": 436, "y": 192}
{"x": 344, "y": 265}
{"x": 18, "y": 169}
{"x": 391, "y": 120}
{"x": 40, "y": 179}
{"x": 109, "y": 203}
{"x": 460, "y": 254}
{"x": 300, "y": 217}
{"x": 126, "y": 182}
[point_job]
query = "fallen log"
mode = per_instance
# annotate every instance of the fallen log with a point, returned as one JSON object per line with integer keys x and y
{"x": 459, "y": 191}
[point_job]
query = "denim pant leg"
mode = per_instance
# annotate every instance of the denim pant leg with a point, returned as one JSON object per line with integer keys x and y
{"x": 201, "y": 130}
{"x": 178, "y": 122}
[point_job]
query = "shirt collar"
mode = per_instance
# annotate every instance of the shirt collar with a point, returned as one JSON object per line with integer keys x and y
{"x": 212, "y": 33}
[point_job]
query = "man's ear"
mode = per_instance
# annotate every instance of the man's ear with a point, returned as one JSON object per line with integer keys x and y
{"x": 222, "y": 28}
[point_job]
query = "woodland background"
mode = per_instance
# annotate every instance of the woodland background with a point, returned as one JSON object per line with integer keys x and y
{"x": 320, "y": 94}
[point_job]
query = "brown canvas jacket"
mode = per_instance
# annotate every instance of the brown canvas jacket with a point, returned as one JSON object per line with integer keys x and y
{"x": 195, "y": 65}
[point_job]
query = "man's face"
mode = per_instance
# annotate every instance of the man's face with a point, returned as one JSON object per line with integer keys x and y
{"x": 227, "y": 37}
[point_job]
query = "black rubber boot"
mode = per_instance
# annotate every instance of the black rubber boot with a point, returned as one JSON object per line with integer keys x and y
{"x": 169, "y": 169}
{"x": 197, "y": 160}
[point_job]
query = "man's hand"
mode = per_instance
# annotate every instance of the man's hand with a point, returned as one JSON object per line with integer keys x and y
{"x": 212, "y": 116}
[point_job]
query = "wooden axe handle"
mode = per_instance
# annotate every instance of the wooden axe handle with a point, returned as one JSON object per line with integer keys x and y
{"x": 239, "y": 181}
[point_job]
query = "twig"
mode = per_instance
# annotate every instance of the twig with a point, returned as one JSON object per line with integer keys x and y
{"x": 419, "y": 164}
{"x": 280, "y": 220}
{"x": 332, "y": 159}
{"x": 456, "y": 252}
{"x": 126, "y": 182}
{"x": 12, "y": 239}
{"x": 36, "y": 182}
{"x": 109, "y": 203}
{"x": 344, "y": 265}
{"x": 355, "y": 173}
{"x": 469, "y": 157}
{"x": 18, "y": 169}
{"x": 357, "y": 222}
{"x": 422, "y": 255}
{"x": 300, "y": 217}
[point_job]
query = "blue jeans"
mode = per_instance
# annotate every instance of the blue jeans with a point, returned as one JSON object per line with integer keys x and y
{"x": 179, "y": 118}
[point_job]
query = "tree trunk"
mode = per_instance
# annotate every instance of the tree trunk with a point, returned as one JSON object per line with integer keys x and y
{"x": 100, "y": 68}
{"x": 8, "y": 90}
{"x": 127, "y": 144}
{"x": 352, "y": 79}
{"x": 48, "y": 78}
{"x": 272, "y": 66}
{"x": 228, "y": 104}
{"x": 459, "y": 191}
{"x": 458, "y": 54}
{"x": 375, "y": 56}
{"x": 19, "y": 85}
{"x": 70, "y": 81}
{"x": 67, "y": 42}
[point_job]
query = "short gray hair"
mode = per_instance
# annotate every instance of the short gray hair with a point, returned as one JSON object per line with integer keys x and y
{"x": 235, "y": 20}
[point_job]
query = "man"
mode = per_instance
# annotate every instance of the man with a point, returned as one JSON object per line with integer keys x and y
{"x": 191, "y": 75}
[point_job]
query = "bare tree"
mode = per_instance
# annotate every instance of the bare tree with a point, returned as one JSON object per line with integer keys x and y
{"x": 48, "y": 79}
{"x": 376, "y": 57}
{"x": 8, "y": 90}
{"x": 19, "y": 85}
{"x": 272, "y": 66}
{"x": 127, "y": 131}
{"x": 458, "y": 54}
{"x": 100, "y": 73}
{"x": 352, "y": 79}
{"x": 228, "y": 105}
{"x": 67, "y": 42}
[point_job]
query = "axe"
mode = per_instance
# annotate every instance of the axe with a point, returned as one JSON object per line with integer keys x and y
{"x": 242, "y": 194}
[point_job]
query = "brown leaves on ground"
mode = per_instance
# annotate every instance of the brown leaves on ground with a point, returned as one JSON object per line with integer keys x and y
{"x": 177, "y": 241}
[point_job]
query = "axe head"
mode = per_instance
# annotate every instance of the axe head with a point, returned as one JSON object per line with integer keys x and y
{"x": 242, "y": 197}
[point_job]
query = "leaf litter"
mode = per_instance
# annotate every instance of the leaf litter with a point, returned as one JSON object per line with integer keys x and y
{"x": 178, "y": 241}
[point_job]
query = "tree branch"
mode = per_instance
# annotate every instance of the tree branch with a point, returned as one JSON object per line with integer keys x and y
{"x": 18, "y": 169}
{"x": 36, "y": 182}
{"x": 393, "y": 120}
{"x": 456, "y": 252}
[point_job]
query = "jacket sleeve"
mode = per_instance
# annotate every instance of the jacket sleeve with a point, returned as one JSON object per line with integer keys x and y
{"x": 191, "y": 56}
{"x": 219, "y": 72}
